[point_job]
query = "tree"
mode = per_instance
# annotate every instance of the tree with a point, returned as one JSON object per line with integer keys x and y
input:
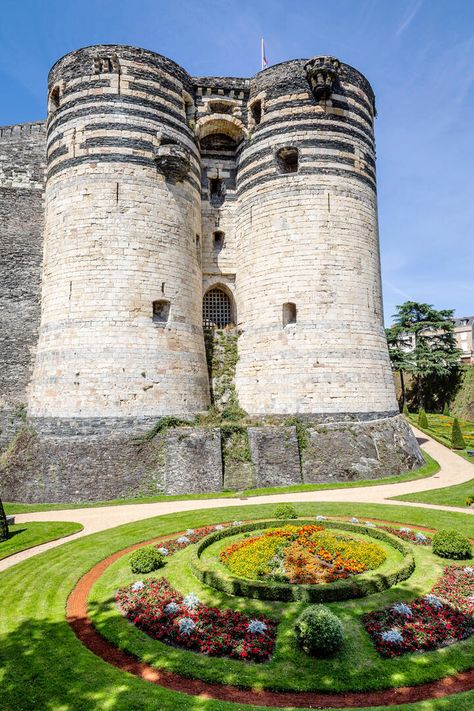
{"x": 421, "y": 342}
{"x": 457, "y": 440}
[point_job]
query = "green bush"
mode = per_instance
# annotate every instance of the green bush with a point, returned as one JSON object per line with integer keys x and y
{"x": 457, "y": 440}
{"x": 319, "y": 631}
{"x": 405, "y": 409}
{"x": 451, "y": 544}
{"x": 285, "y": 511}
{"x": 446, "y": 410}
{"x": 470, "y": 500}
{"x": 145, "y": 560}
{"x": 422, "y": 419}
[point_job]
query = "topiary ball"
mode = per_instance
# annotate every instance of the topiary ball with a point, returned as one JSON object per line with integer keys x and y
{"x": 285, "y": 511}
{"x": 145, "y": 560}
{"x": 319, "y": 631}
{"x": 451, "y": 544}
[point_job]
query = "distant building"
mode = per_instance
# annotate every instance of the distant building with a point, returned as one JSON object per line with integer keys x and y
{"x": 464, "y": 331}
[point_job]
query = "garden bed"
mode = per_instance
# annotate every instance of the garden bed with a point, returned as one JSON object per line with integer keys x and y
{"x": 367, "y": 583}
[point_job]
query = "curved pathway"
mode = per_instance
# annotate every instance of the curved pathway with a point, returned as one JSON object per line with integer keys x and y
{"x": 454, "y": 470}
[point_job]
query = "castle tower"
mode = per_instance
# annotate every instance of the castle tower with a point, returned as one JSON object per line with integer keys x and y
{"x": 308, "y": 282}
{"x": 121, "y": 325}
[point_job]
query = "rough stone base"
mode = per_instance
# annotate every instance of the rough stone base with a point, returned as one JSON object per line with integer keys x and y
{"x": 343, "y": 451}
{"x": 276, "y": 456}
{"x": 74, "y": 469}
{"x": 193, "y": 461}
{"x": 94, "y": 461}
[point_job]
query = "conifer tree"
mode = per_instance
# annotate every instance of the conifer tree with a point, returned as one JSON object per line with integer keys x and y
{"x": 422, "y": 419}
{"x": 446, "y": 410}
{"x": 421, "y": 342}
{"x": 457, "y": 440}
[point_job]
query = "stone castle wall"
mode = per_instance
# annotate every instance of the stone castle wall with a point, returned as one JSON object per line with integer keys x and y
{"x": 146, "y": 166}
{"x": 22, "y": 178}
{"x": 119, "y": 237}
{"x": 309, "y": 238}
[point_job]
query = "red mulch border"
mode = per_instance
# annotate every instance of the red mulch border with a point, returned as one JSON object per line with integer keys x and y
{"x": 78, "y": 618}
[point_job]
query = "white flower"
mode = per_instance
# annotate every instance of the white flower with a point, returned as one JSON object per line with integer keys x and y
{"x": 402, "y": 609}
{"x": 138, "y": 585}
{"x": 471, "y": 599}
{"x": 393, "y": 636}
{"x": 468, "y": 569}
{"x": 369, "y": 524}
{"x": 320, "y": 518}
{"x": 164, "y": 551}
{"x": 433, "y": 600}
{"x": 354, "y": 520}
{"x": 405, "y": 530}
{"x": 191, "y": 601}
{"x": 186, "y": 625}
{"x": 190, "y": 531}
{"x": 219, "y": 527}
{"x": 237, "y": 523}
{"x": 420, "y": 537}
{"x": 256, "y": 627}
{"x": 171, "y": 608}
{"x": 183, "y": 539}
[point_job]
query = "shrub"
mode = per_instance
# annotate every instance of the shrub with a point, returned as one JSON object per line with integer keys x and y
{"x": 405, "y": 409}
{"x": 145, "y": 560}
{"x": 451, "y": 544}
{"x": 422, "y": 419}
{"x": 446, "y": 410}
{"x": 457, "y": 440}
{"x": 319, "y": 631}
{"x": 285, "y": 511}
{"x": 470, "y": 500}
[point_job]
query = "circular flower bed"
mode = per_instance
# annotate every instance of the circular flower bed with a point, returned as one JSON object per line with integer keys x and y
{"x": 302, "y": 562}
{"x": 301, "y": 554}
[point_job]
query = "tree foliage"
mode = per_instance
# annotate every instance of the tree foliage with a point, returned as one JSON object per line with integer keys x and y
{"x": 457, "y": 440}
{"x": 421, "y": 342}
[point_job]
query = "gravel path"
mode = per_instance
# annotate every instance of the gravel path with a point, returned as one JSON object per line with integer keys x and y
{"x": 454, "y": 470}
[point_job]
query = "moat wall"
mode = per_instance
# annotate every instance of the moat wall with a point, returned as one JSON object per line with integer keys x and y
{"x": 68, "y": 461}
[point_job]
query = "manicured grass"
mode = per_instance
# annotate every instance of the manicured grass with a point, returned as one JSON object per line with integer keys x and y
{"x": 44, "y": 666}
{"x": 430, "y": 467}
{"x": 450, "y": 496}
{"x": 27, "y": 535}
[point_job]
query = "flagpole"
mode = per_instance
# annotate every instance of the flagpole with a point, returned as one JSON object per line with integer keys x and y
{"x": 262, "y": 53}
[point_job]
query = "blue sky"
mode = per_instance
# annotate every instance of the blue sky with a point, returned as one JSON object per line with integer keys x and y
{"x": 417, "y": 54}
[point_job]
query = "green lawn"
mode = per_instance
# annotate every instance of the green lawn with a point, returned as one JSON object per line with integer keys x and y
{"x": 27, "y": 535}
{"x": 44, "y": 667}
{"x": 450, "y": 496}
{"x": 428, "y": 469}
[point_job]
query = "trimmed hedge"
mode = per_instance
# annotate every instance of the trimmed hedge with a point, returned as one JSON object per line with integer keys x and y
{"x": 146, "y": 560}
{"x": 356, "y": 586}
{"x": 451, "y": 544}
{"x": 285, "y": 511}
{"x": 319, "y": 631}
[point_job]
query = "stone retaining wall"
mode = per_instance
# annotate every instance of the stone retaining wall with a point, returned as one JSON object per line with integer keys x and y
{"x": 99, "y": 463}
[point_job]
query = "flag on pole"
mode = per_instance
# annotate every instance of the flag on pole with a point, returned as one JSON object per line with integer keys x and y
{"x": 264, "y": 58}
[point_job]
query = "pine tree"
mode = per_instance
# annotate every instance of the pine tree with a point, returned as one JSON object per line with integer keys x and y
{"x": 457, "y": 440}
{"x": 422, "y": 419}
{"x": 421, "y": 341}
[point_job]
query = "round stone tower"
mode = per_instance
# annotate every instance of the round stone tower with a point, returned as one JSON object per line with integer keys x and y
{"x": 309, "y": 291}
{"x": 121, "y": 326}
